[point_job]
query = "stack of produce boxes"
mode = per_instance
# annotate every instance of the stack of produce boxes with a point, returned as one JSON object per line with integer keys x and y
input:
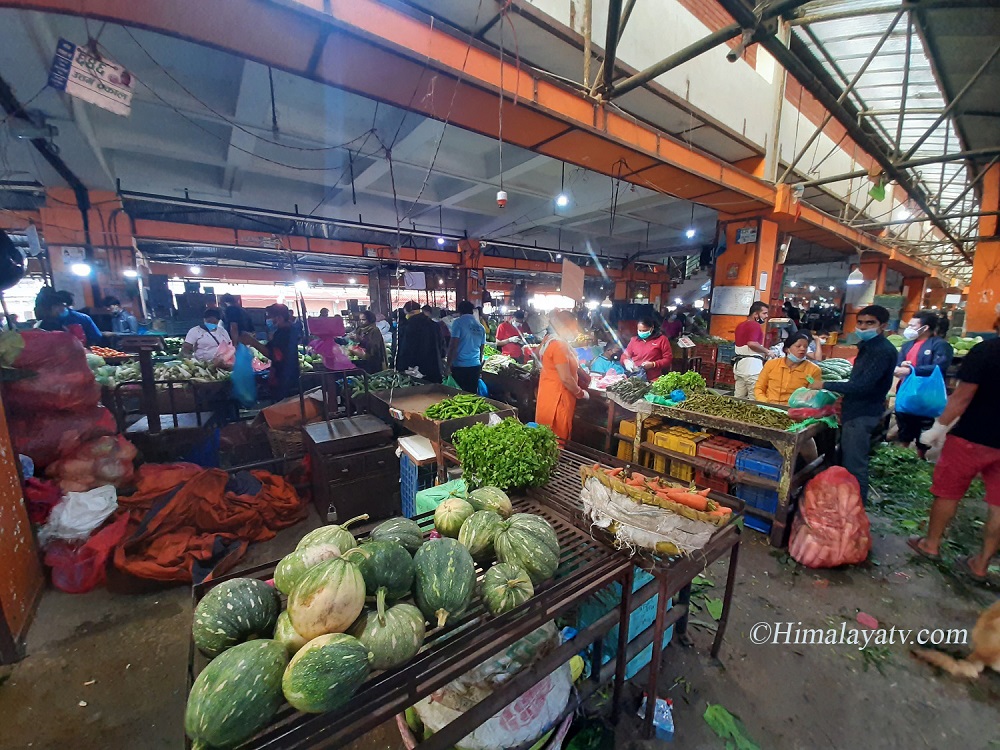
{"x": 627, "y": 428}
{"x": 721, "y": 449}
{"x": 678, "y": 440}
{"x": 765, "y": 463}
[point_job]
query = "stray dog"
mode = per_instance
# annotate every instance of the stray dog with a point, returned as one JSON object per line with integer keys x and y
{"x": 985, "y": 649}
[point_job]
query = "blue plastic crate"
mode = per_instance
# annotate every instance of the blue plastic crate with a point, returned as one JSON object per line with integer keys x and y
{"x": 726, "y": 354}
{"x": 641, "y": 618}
{"x": 755, "y": 497}
{"x": 764, "y": 462}
{"x": 412, "y": 479}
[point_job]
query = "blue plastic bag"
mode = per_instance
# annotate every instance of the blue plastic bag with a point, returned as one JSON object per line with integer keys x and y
{"x": 481, "y": 389}
{"x": 243, "y": 379}
{"x": 922, "y": 396}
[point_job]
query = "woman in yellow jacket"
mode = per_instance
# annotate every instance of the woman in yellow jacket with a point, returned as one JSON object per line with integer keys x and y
{"x": 781, "y": 376}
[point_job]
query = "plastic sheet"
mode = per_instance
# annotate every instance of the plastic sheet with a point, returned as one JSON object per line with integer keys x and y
{"x": 806, "y": 398}
{"x": 76, "y": 517}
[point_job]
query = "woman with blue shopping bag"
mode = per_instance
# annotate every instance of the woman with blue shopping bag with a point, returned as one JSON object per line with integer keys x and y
{"x": 919, "y": 357}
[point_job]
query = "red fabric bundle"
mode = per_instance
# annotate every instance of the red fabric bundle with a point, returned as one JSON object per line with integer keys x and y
{"x": 831, "y": 527}
{"x": 62, "y": 380}
{"x": 41, "y": 497}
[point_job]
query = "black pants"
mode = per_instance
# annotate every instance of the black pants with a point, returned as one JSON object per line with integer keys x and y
{"x": 910, "y": 427}
{"x": 467, "y": 378}
{"x": 856, "y": 447}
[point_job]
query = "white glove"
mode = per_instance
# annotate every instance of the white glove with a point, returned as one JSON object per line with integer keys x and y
{"x": 934, "y": 437}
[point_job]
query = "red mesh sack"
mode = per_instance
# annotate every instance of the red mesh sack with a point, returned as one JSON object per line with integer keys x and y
{"x": 77, "y": 569}
{"x": 831, "y": 527}
{"x": 41, "y": 497}
{"x": 62, "y": 380}
{"x": 46, "y": 436}
{"x": 104, "y": 460}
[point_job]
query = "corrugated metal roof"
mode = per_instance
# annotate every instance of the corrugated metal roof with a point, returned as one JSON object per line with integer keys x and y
{"x": 842, "y": 35}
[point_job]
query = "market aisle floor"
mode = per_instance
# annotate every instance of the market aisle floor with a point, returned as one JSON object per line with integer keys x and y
{"x": 108, "y": 671}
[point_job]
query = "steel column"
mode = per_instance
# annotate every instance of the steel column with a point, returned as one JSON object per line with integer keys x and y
{"x": 611, "y": 43}
{"x": 906, "y": 83}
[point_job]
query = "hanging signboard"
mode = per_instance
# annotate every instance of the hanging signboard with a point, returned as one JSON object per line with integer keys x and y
{"x": 79, "y": 73}
{"x": 572, "y": 281}
{"x": 732, "y": 300}
{"x": 746, "y": 235}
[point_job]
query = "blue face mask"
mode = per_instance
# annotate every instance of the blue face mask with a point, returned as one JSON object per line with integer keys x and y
{"x": 867, "y": 334}
{"x": 211, "y": 326}
{"x": 793, "y": 359}
{"x": 270, "y": 324}
{"x": 644, "y": 334}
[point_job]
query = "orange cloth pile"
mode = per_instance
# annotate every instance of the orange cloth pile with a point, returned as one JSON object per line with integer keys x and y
{"x": 185, "y": 525}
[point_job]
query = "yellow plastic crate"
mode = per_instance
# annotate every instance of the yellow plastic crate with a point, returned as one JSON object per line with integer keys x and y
{"x": 681, "y": 440}
{"x": 626, "y": 427}
{"x": 659, "y": 462}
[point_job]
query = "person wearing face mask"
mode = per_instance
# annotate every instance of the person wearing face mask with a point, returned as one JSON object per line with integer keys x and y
{"x": 783, "y": 375}
{"x": 922, "y": 352}
{"x": 282, "y": 349}
{"x": 203, "y": 341}
{"x": 559, "y": 382}
{"x": 648, "y": 351}
{"x": 864, "y": 394}
{"x": 750, "y": 350}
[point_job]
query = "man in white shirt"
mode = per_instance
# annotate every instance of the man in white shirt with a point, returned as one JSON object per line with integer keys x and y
{"x": 203, "y": 342}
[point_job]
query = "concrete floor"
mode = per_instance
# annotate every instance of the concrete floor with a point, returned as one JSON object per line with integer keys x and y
{"x": 108, "y": 671}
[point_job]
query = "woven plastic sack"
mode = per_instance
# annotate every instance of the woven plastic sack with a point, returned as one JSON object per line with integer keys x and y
{"x": 922, "y": 396}
{"x": 831, "y": 527}
{"x": 807, "y": 398}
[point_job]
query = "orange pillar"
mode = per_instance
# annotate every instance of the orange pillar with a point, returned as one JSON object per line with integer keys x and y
{"x": 984, "y": 289}
{"x": 748, "y": 265}
{"x": 471, "y": 275}
{"x": 913, "y": 291}
{"x": 873, "y": 271}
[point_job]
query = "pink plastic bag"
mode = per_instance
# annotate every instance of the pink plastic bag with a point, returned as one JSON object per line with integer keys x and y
{"x": 77, "y": 569}
{"x": 831, "y": 527}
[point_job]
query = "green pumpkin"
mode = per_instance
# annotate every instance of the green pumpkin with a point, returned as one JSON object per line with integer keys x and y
{"x": 388, "y": 566}
{"x": 236, "y": 695}
{"x": 405, "y": 531}
{"x": 234, "y": 611}
{"x": 446, "y": 577}
{"x": 491, "y": 498}
{"x": 478, "y": 533}
{"x": 333, "y": 534}
{"x": 329, "y": 597}
{"x": 505, "y": 587}
{"x": 325, "y": 673}
{"x": 529, "y": 542}
{"x": 450, "y": 515}
{"x": 285, "y": 634}
{"x": 293, "y": 566}
{"x": 392, "y": 636}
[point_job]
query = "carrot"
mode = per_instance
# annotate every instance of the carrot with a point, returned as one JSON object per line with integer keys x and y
{"x": 615, "y": 472}
{"x": 695, "y": 502}
{"x": 597, "y": 467}
{"x": 677, "y": 490}
{"x": 637, "y": 475}
{"x": 704, "y": 492}
{"x": 722, "y": 510}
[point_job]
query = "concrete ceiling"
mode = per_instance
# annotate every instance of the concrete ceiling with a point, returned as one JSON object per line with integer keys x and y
{"x": 203, "y": 126}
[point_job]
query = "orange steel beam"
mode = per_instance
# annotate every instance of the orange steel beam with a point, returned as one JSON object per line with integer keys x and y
{"x": 402, "y": 58}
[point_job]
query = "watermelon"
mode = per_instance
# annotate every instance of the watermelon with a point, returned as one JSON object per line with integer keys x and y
{"x": 292, "y": 567}
{"x": 329, "y": 597}
{"x": 285, "y": 634}
{"x": 491, "y": 498}
{"x": 236, "y": 610}
{"x": 236, "y": 695}
{"x": 388, "y": 566}
{"x": 324, "y": 674}
{"x": 478, "y": 532}
{"x": 445, "y": 579}
{"x": 405, "y": 531}
{"x": 505, "y": 587}
{"x": 392, "y": 636}
{"x": 333, "y": 534}
{"x": 529, "y": 542}
{"x": 450, "y": 515}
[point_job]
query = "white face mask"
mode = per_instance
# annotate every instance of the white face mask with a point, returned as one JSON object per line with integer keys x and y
{"x": 911, "y": 333}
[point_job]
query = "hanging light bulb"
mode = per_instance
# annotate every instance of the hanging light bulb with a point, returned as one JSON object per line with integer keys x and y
{"x": 440, "y": 240}
{"x": 793, "y": 284}
{"x": 302, "y": 285}
{"x": 607, "y": 302}
{"x": 562, "y": 200}
{"x": 80, "y": 269}
{"x": 195, "y": 270}
{"x": 690, "y": 233}
{"x": 856, "y": 277}
{"x": 130, "y": 273}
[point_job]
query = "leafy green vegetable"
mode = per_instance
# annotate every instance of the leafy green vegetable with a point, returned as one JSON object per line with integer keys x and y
{"x": 507, "y": 455}
{"x": 686, "y": 381}
{"x": 729, "y": 728}
{"x": 714, "y": 607}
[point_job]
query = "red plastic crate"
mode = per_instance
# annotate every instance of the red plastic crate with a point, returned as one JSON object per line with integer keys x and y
{"x": 724, "y": 374}
{"x": 721, "y": 449}
{"x": 707, "y": 352}
{"x": 708, "y": 372}
{"x": 715, "y": 483}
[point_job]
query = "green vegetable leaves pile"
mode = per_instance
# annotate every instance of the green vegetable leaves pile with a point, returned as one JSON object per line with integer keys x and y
{"x": 686, "y": 381}
{"x": 508, "y": 455}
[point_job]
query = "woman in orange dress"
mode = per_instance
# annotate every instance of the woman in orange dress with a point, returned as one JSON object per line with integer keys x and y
{"x": 558, "y": 384}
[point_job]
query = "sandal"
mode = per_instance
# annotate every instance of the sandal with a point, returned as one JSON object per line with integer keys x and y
{"x": 914, "y": 543}
{"x": 963, "y": 565}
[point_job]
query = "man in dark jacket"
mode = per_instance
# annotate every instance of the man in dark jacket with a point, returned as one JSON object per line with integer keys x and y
{"x": 864, "y": 394}
{"x": 420, "y": 344}
{"x": 922, "y": 352}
